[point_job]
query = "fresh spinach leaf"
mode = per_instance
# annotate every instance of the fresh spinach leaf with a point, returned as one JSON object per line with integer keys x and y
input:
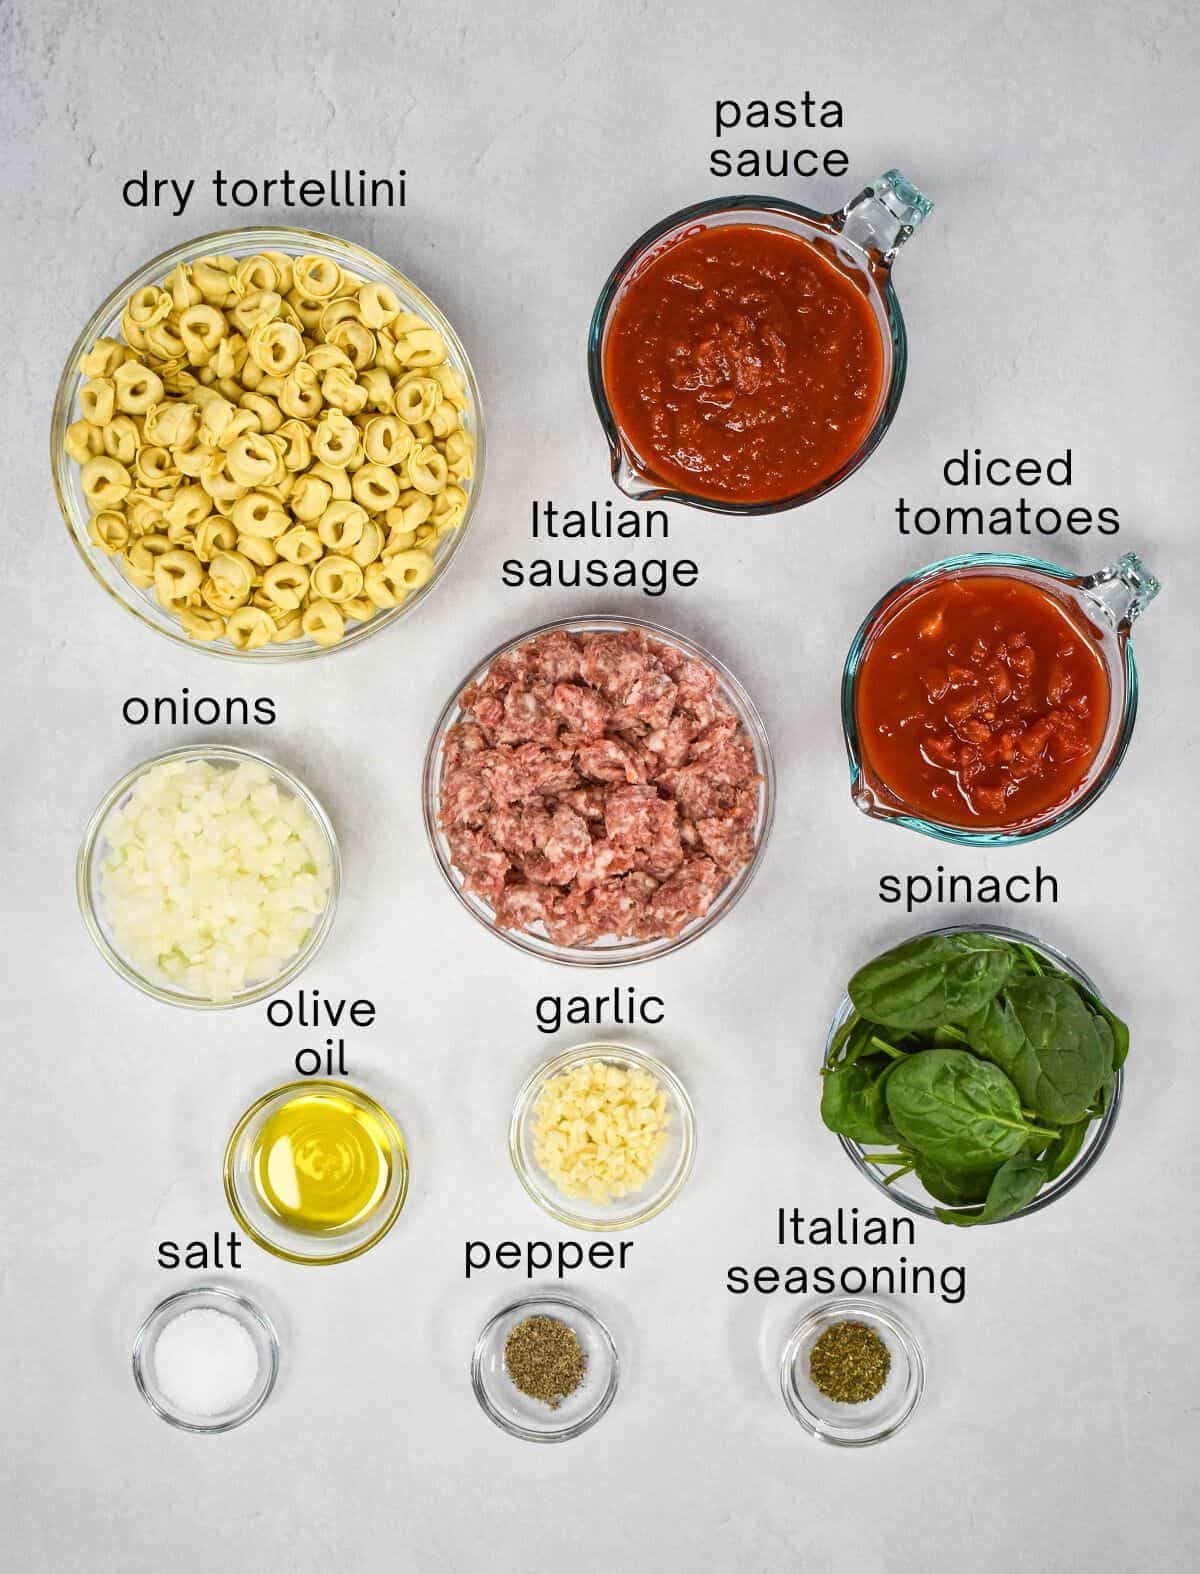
{"x": 1041, "y": 1033}
{"x": 1065, "y": 1149}
{"x": 958, "y": 1188}
{"x": 960, "y": 1113}
{"x": 1015, "y": 1184}
{"x": 853, "y": 1101}
{"x": 932, "y": 981}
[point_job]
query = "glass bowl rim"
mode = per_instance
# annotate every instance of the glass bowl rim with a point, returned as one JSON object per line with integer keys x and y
{"x": 582, "y": 956}
{"x": 964, "y": 835}
{"x": 247, "y": 1310}
{"x": 616, "y": 1051}
{"x": 264, "y": 234}
{"x": 604, "y": 304}
{"x": 90, "y": 844}
{"x": 1083, "y": 1162}
{"x": 543, "y": 1298}
{"x": 366, "y": 1101}
{"x": 851, "y": 1307}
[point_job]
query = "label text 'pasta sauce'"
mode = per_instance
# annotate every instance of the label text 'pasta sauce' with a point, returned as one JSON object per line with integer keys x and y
{"x": 982, "y": 701}
{"x": 743, "y": 366}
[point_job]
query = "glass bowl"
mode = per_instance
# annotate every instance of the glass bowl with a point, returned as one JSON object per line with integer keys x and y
{"x": 908, "y": 1192}
{"x": 91, "y": 857}
{"x": 1107, "y": 601}
{"x": 276, "y": 1235}
{"x": 621, "y": 1213}
{"x": 206, "y": 1298}
{"x": 861, "y": 240}
{"x": 519, "y": 1415}
{"x": 106, "y": 320}
{"x": 607, "y": 952}
{"x": 857, "y": 1425}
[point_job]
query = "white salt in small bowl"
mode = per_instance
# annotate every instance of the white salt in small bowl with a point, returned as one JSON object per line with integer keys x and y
{"x": 161, "y": 1382}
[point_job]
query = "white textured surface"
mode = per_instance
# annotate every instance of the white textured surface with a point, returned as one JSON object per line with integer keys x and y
{"x": 1050, "y": 301}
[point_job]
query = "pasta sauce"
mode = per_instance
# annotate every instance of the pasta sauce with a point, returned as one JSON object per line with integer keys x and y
{"x": 981, "y": 701}
{"x": 743, "y": 366}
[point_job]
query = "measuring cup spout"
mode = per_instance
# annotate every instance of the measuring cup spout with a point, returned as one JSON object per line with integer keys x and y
{"x": 883, "y": 215}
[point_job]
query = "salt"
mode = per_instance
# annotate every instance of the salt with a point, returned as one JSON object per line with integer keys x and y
{"x": 205, "y": 1362}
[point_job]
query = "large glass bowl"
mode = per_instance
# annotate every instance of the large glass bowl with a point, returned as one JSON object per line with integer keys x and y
{"x": 608, "y": 952}
{"x": 908, "y": 1192}
{"x": 106, "y": 320}
{"x": 91, "y": 858}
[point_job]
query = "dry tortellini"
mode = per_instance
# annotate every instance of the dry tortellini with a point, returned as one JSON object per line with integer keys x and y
{"x": 274, "y": 447}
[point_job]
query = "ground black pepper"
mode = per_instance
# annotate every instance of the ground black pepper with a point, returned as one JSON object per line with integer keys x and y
{"x": 545, "y": 1360}
{"x": 850, "y": 1363}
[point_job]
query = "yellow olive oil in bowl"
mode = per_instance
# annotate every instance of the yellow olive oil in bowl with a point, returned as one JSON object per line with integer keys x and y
{"x": 316, "y": 1172}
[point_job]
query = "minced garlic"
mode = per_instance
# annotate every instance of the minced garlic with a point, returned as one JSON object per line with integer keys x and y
{"x": 599, "y": 1130}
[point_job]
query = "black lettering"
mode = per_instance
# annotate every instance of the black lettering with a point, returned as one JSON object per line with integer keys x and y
{"x": 1109, "y": 521}
{"x": 889, "y": 888}
{"x": 720, "y": 164}
{"x": 724, "y": 107}
{"x": 264, "y": 712}
{"x": 474, "y": 1262}
{"x": 958, "y": 1277}
{"x": 1063, "y": 464}
{"x": 548, "y": 1012}
{"x": 1077, "y": 517}
{"x": 736, "y": 1281}
{"x": 128, "y": 711}
{"x": 766, "y": 1280}
{"x": 1045, "y": 883}
{"x": 507, "y": 1254}
{"x": 168, "y": 1254}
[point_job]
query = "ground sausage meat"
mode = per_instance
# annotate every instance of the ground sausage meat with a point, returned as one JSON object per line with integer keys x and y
{"x": 598, "y": 786}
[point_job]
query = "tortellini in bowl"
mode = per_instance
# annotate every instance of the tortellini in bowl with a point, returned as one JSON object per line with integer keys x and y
{"x": 268, "y": 443}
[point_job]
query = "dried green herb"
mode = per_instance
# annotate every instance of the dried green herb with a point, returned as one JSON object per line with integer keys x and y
{"x": 545, "y": 1360}
{"x": 850, "y": 1363}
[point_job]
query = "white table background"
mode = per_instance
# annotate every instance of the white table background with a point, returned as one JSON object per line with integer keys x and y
{"x": 1050, "y": 302}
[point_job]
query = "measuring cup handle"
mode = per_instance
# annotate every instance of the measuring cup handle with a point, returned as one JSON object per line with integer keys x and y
{"x": 884, "y": 214}
{"x": 1123, "y": 589}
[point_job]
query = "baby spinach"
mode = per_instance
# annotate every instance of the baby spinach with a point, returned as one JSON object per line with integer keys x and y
{"x": 961, "y": 1113}
{"x": 1042, "y": 1034}
{"x": 958, "y": 1188}
{"x": 976, "y": 1063}
{"x": 932, "y": 981}
{"x": 1065, "y": 1149}
{"x": 1014, "y": 1186}
{"x": 853, "y": 1101}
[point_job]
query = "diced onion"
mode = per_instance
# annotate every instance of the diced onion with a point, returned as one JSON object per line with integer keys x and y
{"x": 212, "y": 878}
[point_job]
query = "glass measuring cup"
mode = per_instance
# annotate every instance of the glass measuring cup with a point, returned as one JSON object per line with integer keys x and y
{"x": 861, "y": 240}
{"x": 1107, "y": 602}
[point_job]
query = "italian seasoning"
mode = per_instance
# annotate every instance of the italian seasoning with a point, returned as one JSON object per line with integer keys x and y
{"x": 849, "y": 1363}
{"x": 545, "y": 1360}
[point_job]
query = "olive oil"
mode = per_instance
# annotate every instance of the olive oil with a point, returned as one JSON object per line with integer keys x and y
{"x": 321, "y": 1163}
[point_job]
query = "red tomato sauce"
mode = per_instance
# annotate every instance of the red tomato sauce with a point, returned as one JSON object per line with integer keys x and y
{"x": 982, "y": 701}
{"x": 743, "y": 366}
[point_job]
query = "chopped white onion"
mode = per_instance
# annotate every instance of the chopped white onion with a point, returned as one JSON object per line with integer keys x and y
{"x": 213, "y": 878}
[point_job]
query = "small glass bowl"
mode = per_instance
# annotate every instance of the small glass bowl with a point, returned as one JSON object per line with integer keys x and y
{"x": 853, "y": 1426}
{"x": 607, "y": 952}
{"x": 269, "y": 1231}
{"x": 206, "y": 1298}
{"x": 93, "y": 849}
{"x": 519, "y": 1415}
{"x": 908, "y": 1192}
{"x": 670, "y": 1173}
{"x": 106, "y": 321}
